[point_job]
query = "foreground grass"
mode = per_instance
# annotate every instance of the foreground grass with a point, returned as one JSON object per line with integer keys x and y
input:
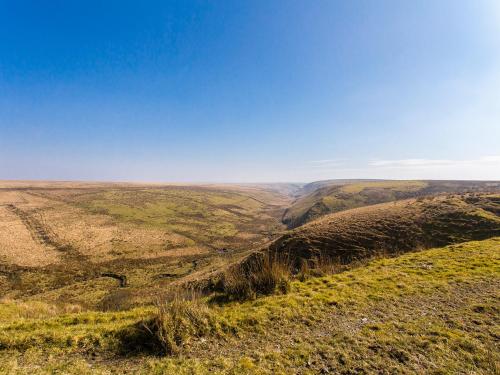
{"x": 435, "y": 311}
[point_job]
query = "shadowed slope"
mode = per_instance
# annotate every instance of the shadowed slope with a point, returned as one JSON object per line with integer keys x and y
{"x": 394, "y": 227}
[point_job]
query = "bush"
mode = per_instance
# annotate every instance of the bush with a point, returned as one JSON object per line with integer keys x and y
{"x": 176, "y": 321}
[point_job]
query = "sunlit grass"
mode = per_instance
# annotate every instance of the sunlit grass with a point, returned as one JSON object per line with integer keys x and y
{"x": 385, "y": 285}
{"x": 336, "y": 198}
{"x": 392, "y": 185}
{"x": 201, "y": 215}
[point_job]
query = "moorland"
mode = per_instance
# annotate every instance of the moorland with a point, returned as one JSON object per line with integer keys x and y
{"x": 338, "y": 276}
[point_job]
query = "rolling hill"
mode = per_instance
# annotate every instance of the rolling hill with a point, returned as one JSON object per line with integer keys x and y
{"x": 81, "y": 266}
{"x": 79, "y": 242}
{"x": 324, "y": 197}
{"x": 394, "y": 227}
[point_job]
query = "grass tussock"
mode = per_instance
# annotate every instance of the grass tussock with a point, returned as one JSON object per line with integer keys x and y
{"x": 267, "y": 274}
{"x": 180, "y": 317}
{"x": 263, "y": 274}
{"x": 318, "y": 267}
{"x": 18, "y": 310}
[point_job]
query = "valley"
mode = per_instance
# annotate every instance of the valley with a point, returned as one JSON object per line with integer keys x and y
{"x": 84, "y": 267}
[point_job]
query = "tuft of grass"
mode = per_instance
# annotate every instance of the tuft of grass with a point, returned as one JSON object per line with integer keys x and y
{"x": 179, "y": 319}
{"x": 264, "y": 274}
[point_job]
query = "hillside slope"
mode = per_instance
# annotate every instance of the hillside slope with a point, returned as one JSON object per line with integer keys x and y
{"x": 394, "y": 227}
{"x": 435, "y": 311}
{"x": 324, "y": 197}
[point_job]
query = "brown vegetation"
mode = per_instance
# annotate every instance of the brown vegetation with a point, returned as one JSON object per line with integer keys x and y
{"x": 349, "y": 236}
{"x": 263, "y": 275}
{"x": 179, "y": 317}
{"x": 58, "y": 240}
{"x": 111, "y": 251}
{"x": 393, "y": 228}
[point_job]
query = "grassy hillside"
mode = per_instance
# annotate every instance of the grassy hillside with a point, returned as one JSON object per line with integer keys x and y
{"x": 82, "y": 265}
{"x": 394, "y": 227}
{"x": 324, "y": 197}
{"x": 435, "y": 311}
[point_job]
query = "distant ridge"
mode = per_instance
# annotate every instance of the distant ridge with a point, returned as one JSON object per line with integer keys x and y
{"x": 323, "y": 197}
{"x": 394, "y": 227}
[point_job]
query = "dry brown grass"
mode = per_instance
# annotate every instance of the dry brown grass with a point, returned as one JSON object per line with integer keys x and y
{"x": 72, "y": 213}
{"x": 17, "y": 244}
{"x": 70, "y": 233}
{"x": 392, "y": 228}
{"x": 334, "y": 196}
{"x": 261, "y": 274}
{"x": 350, "y": 238}
{"x": 101, "y": 238}
{"x": 104, "y": 237}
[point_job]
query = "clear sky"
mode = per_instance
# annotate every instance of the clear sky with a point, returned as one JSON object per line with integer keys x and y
{"x": 249, "y": 91}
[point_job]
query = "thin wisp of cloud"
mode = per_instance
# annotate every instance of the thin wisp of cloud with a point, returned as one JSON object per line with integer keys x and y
{"x": 427, "y": 163}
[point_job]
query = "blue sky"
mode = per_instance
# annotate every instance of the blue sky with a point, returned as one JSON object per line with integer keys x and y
{"x": 249, "y": 91}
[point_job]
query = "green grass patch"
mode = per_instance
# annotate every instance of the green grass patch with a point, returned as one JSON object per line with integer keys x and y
{"x": 201, "y": 215}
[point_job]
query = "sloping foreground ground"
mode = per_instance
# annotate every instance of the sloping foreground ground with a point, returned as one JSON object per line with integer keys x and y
{"x": 394, "y": 227}
{"x": 434, "y": 311}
